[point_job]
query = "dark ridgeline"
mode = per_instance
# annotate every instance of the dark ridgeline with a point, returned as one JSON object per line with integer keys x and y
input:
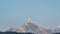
{"x": 15, "y": 33}
{"x": 57, "y": 33}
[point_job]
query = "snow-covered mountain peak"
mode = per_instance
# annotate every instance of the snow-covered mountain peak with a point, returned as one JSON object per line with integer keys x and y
{"x": 29, "y": 21}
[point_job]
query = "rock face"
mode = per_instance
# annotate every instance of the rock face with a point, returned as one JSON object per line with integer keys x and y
{"x": 29, "y": 26}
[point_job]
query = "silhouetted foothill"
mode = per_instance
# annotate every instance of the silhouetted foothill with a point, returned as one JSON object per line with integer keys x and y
{"x": 15, "y": 33}
{"x": 57, "y": 33}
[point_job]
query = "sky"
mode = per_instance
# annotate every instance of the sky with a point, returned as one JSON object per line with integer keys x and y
{"x": 14, "y": 13}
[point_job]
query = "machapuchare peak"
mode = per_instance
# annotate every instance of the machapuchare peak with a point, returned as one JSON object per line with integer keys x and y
{"x": 29, "y": 21}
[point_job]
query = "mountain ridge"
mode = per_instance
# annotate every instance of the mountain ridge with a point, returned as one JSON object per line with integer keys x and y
{"x": 29, "y": 26}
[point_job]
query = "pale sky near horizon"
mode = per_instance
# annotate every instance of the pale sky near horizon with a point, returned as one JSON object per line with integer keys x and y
{"x": 13, "y": 13}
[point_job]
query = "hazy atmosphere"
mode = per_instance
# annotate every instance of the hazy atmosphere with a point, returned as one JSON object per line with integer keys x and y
{"x": 14, "y": 13}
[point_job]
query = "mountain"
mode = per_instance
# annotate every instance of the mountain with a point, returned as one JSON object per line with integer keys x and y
{"x": 29, "y": 26}
{"x": 57, "y": 29}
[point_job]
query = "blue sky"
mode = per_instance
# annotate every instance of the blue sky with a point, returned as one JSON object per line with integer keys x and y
{"x": 14, "y": 13}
